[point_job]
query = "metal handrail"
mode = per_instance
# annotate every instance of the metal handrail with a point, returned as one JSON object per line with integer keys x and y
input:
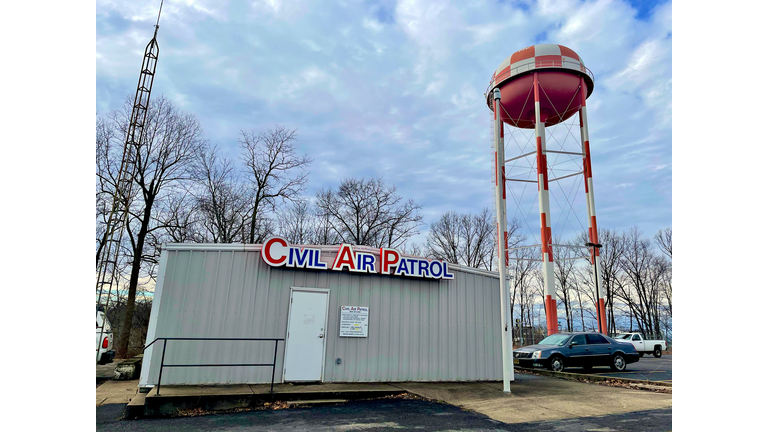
{"x": 538, "y": 65}
{"x": 165, "y": 343}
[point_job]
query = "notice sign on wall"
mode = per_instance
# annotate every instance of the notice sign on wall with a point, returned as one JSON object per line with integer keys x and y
{"x": 354, "y": 321}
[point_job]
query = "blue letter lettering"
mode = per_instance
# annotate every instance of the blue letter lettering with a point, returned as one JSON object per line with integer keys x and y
{"x": 439, "y": 272}
{"x": 446, "y": 275}
{"x": 423, "y": 268}
{"x": 402, "y": 268}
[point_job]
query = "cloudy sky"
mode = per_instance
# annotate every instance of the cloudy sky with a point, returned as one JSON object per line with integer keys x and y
{"x": 395, "y": 89}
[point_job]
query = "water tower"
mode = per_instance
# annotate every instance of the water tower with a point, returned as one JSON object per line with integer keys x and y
{"x": 534, "y": 88}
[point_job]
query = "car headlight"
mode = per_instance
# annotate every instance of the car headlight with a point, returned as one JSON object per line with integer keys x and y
{"x": 536, "y": 354}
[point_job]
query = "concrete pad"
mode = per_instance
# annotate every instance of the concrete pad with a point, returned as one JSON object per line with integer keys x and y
{"x": 536, "y": 398}
{"x": 324, "y": 388}
{"x": 173, "y": 398}
{"x": 202, "y": 390}
{"x": 116, "y": 392}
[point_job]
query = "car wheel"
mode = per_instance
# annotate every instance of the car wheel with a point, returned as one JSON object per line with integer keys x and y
{"x": 557, "y": 364}
{"x": 641, "y": 354}
{"x": 587, "y": 368}
{"x": 618, "y": 363}
{"x": 657, "y": 352}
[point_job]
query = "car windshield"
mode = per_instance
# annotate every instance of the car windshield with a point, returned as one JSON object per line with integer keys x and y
{"x": 555, "y": 339}
{"x": 623, "y": 336}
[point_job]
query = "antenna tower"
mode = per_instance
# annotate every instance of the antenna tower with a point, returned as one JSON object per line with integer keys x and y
{"x": 106, "y": 261}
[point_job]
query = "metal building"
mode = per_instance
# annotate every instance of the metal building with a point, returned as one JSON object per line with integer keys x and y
{"x": 418, "y": 328}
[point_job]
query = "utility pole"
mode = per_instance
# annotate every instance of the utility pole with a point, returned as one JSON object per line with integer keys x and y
{"x": 594, "y": 247}
{"x": 508, "y": 372}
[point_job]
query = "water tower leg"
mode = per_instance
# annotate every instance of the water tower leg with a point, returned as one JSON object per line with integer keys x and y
{"x": 550, "y": 302}
{"x": 502, "y": 236}
{"x": 590, "y": 191}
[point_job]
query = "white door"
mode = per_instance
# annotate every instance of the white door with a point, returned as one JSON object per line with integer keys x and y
{"x": 638, "y": 343}
{"x": 305, "y": 344}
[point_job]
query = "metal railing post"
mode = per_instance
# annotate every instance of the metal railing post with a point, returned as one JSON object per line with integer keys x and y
{"x": 162, "y": 360}
{"x": 274, "y": 362}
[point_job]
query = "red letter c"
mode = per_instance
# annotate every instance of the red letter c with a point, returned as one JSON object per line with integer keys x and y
{"x": 266, "y": 252}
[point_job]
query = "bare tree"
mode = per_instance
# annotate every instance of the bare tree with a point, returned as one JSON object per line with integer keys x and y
{"x": 636, "y": 279}
{"x": 444, "y": 240}
{"x": 105, "y": 183}
{"x": 297, "y": 223}
{"x": 522, "y": 265}
{"x": 367, "y": 212}
{"x": 414, "y": 249}
{"x": 614, "y": 246}
{"x": 179, "y": 214}
{"x": 564, "y": 271}
{"x": 109, "y": 153}
{"x": 222, "y": 200}
{"x": 661, "y": 288}
{"x": 276, "y": 174}
{"x": 171, "y": 143}
{"x": 464, "y": 239}
{"x": 324, "y": 232}
{"x": 667, "y": 288}
{"x": 644, "y": 272}
{"x": 664, "y": 240}
{"x": 538, "y": 278}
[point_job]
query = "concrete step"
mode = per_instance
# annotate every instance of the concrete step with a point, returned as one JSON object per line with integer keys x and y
{"x": 224, "y": 397}
{"x": 135, "y": 408}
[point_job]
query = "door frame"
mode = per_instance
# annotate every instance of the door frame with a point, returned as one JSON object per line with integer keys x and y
{"x": 579, "y": 360}
{"x": 288, "y": 326}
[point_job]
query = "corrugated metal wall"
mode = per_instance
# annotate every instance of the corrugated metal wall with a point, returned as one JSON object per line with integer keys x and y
{"x": 419, "y": 330}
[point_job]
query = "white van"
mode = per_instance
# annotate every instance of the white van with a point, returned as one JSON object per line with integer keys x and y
{"x": 104, "y": 351}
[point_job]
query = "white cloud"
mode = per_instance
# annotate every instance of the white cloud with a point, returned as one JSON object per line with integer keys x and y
{"x": 396, "y": 89}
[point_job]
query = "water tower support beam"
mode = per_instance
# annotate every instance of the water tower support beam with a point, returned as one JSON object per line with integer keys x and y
{"x": 590, "y": 191}
{"x": 502, "y": 241}
{"x": 550, "y": 301}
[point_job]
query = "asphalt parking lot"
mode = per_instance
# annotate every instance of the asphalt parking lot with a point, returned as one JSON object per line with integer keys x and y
{"x": 648, "y": 368}
{"x": 374, "y": 415}
{"x": 535, "y": 403}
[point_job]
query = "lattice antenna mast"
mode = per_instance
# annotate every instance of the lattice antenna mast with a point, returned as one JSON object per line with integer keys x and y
{"x": 106, "y": 262}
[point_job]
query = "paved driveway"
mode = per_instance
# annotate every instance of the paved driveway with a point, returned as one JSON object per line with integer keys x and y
{"x": 540, "y": 398}
{"x": 648, "y": 368}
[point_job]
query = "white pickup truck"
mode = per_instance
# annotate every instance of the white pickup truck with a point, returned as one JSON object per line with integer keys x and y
{"x": 104, "y": 352}
{"x": 642, "y": 345}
